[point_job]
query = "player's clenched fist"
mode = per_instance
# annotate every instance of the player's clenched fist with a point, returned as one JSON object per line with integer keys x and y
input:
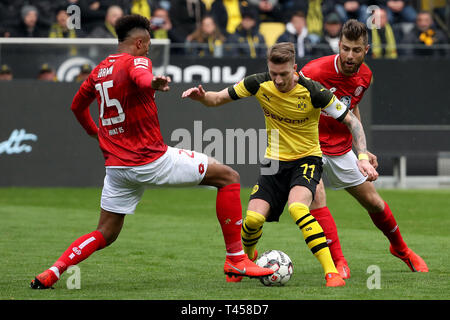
{"x": 367, "y": 170}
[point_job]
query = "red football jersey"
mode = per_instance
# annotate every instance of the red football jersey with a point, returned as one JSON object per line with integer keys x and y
{"x": 335, "y": 138}
{"x": 129, "y": 131}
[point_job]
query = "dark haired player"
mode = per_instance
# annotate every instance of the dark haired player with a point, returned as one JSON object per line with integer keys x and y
{"x": 291, "y": 104}
{"x": 348, "y": 77}
{"x": 136, "y": 155}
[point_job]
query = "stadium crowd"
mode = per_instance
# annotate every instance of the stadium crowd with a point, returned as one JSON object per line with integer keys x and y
{"x": 244, "y": 28}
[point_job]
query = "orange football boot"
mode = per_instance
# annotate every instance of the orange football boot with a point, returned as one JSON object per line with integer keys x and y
{"x": 234, "y": 278}
{"x": 343, "y": 269}
{"x": 45, "y": 280}
{"x": 412, "y": 260}
{"x": 334, "y": 280}
{"x": 244, "y": 267}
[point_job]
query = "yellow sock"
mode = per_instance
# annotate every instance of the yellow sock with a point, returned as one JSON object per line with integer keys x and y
{"x": 251, "y": 231}
{"x": 313, "y": 235}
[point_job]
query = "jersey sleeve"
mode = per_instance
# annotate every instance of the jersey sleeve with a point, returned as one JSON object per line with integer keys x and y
{"x": 323, "y": 98}
{"x": 80, "y": 106}
{"x": 249, "y": 86}
{"x": 336, "y": 109}
{"x": 141, "y": 72}
{"x": 320, "y": 96}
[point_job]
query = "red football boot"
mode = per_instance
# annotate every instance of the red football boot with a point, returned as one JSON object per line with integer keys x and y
{"x": 45, "y": 280}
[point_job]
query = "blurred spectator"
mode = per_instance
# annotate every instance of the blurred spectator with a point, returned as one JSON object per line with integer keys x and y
{"x": 382, "y": 37}
{"x": 46, "y": 73}
{"x": 5, "y": 32}
{"x": 329, "y": 42}
{"x": 93, "y": 13}
{"x": 85, "y": 71}
{"x": 247, "y": 41}
{"x": 5, "y": 73}
{"x": 29, "y": 27}
{"x": 288, "y": 6}
{"x": 162, "y": 29}
{"x": 352, "y": 9}
{"x": 107, "y": 30}
{"x": 160, "y": 24}
{"x": 59, "y": 29}
{"x": 207, "y": 40}
{"x": 425, "y": 36}
{"x": 9, "y": 15}
{"x": 228, "y": 14}
{"x": 186, "y": 16}
{"x": 297, "y": 33}
{"x": 269, "y": 10}
{"x": 314, "y": 20}
{"x": 144, "y": 8}
{"x": 47, "y": 9}
{"x": 141, "y": 7}
{"x": 398, "y": 10}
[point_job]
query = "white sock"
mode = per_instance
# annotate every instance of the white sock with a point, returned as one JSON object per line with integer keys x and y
{"x": 236, "y": 253}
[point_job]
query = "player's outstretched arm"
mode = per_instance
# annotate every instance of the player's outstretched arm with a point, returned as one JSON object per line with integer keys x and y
{"x": 359, "y": 143}
{"x": 208, "y": 98}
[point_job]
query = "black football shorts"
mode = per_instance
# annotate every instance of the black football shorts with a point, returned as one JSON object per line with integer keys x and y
{"x": 274, "y": 188}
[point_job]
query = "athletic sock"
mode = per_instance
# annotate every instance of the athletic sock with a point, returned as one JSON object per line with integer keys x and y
{"x": 326, "y": 221}
{"x": 229, "y": 214}
{"x": 385, "y": 221}
{"x": 251, "y": 231}
{"x": 313, "y": 235}
{"x": 79, "y": 250}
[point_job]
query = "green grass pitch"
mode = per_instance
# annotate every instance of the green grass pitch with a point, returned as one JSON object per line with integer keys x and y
{"x": 172, "y": 248}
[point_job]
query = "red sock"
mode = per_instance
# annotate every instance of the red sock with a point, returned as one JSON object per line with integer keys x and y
{"x": 80, "y": 249}
{"x": 229, "y": 214}
{"x": 326, "y": 221}
{"x": 385, "y": 221}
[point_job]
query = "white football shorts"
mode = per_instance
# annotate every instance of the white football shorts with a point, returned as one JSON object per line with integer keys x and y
{"x": 342, "y": 171}
{"x": 124, "y": 186}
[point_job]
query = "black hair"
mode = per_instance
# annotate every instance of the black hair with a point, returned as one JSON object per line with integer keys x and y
{"x": 129, "y": 22}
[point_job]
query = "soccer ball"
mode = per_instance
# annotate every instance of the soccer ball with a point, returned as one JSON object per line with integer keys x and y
{"x": 280, "y": 263}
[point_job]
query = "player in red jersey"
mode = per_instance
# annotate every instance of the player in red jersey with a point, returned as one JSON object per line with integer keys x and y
{"x": 348, "y": 77}
{"x": 136, "y": 155}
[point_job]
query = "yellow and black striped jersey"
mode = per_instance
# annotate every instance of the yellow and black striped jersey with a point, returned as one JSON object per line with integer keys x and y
{"x": 292, "y": 117}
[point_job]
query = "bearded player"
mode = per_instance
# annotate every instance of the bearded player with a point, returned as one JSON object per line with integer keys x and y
{"x": 291, "y": 104}
{"x": 348, "y": 77}
{"x": 136, "y": 155}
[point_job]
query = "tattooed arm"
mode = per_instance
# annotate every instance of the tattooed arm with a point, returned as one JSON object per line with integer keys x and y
{"x": 372, "y": 158}
{"x": 359, "y": 143}
{"x": 356, "y": 128}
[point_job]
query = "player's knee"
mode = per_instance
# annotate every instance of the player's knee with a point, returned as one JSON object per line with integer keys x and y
{"x": 320, "y": 200}
{"x": 231, "y": 176}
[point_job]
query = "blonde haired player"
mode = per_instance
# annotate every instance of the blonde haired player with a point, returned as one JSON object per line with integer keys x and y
{"x": 292, "y": 105}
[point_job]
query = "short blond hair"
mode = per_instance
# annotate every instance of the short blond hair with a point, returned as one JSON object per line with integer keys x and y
{"x": 281, "y": 53}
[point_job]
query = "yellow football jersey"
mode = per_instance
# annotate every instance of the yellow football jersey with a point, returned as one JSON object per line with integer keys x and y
{"x": 293, "y": 115}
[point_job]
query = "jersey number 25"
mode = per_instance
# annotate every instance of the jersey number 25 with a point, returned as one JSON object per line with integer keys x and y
{"x": 102, "y": 88}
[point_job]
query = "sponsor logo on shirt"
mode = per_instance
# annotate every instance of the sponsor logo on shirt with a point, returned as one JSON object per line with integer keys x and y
{"x": 141, "y": 61}
{"x": 358, "y": 90}
{"x": 347, "y": 100}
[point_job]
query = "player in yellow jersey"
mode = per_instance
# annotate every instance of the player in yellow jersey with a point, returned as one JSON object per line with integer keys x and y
{"x": 292, "y": 105}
